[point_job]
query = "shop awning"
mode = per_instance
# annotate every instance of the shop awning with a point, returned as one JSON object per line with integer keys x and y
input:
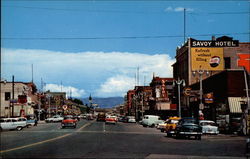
{"x": 234, "y": 104}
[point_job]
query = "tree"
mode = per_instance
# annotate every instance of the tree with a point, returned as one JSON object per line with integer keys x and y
{"x": 77, "y": 101}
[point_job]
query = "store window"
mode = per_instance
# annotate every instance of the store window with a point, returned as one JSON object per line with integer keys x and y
{"x": 227, "y": 62}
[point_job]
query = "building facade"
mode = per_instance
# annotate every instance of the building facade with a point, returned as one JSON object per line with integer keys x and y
{"x": 214, "y": 68}
{"x": 18, "y": 99}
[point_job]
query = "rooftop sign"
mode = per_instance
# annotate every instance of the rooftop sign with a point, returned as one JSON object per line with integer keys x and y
{"x": 211, "y": 43}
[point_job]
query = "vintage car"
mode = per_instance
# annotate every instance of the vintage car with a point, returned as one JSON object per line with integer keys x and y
{"x": 189, "y": 129}
{"x": 209, "y": 127}
{"x": 131, "y": 119}
{"x": 110, "y": 119}
{"x": 13, "y": 123}
{"x": 55, "y": 118}
{"x": 162, "y": 126}
{"x": 69, "y": 121}
{"x": 171, "y": 125}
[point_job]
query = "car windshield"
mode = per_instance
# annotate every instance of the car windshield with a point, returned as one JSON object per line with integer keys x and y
{"x": 208, "y": 124}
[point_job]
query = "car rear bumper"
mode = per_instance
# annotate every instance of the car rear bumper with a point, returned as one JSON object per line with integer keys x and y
{"x": 68, "y": 124}
{"x": 190, "y": 133}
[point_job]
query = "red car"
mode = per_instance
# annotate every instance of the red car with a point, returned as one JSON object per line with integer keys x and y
{"x": 69, "y": 121}
{"x": 110, "y": 119}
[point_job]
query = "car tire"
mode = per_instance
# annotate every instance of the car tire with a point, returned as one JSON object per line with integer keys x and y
{"x": 177, "y": 136}
{"x": 162, "y": 130}
{"x": 169, "y": 135}
{"x": 19, "y": 128}
{"x": 62, "y": 127}
{"x": 152, "y": 126}
{"x": 199, "y": 137}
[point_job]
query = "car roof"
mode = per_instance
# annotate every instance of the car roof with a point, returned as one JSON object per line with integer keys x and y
{"x": 206, "y": 121}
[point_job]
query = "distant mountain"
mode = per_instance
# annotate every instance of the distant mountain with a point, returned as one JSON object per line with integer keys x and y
{"x": 105, "y": 102}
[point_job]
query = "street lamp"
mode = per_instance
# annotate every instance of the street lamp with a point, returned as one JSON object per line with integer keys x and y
{"x": 200, "y": 72}
{"x": 179, "y": 82}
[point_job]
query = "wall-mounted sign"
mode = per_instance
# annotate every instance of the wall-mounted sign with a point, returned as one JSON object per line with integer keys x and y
{"x": 22, "y": 99}
{"x": 244, "y": 61}
{"x": 209, "y": 98}
{"x": 210, "y": 59}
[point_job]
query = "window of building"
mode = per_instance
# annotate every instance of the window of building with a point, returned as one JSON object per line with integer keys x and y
{"x": 7, "y": 95}
{"x": 227, "y": 61}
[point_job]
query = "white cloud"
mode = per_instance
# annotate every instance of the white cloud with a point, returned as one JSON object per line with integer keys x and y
{"x": 98, "y": 73}
{"x": 116, "y": 86}
{"x": 58, "y": 88}
{"x": 178, "y": 9}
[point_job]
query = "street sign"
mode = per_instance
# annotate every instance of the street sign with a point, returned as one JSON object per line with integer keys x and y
{"x": 13, "y": 101}
{"x": 65, "y": 107}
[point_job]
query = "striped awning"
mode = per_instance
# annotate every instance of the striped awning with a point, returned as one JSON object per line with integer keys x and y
{"x": 234, "y": 104}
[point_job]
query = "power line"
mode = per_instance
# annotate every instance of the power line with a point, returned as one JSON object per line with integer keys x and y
{"x": 119, "y": 37}
{"x": 119, "y": 11}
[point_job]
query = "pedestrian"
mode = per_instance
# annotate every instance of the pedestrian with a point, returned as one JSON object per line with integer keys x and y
{"x": 35, "y": 123}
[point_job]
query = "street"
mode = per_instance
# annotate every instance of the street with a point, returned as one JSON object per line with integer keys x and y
{"x": 92, "y": 139}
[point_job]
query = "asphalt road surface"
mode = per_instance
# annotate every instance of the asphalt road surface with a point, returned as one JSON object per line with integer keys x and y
{"x": 92, "y": 139}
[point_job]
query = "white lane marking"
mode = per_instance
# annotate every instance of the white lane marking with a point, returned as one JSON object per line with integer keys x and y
{"x": 104, "y": 127}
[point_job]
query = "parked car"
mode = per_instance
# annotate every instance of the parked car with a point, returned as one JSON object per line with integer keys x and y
{"x": 171, "y": 125}
{"x": 13, "y": 123}
{"x": 151, "y": 120}
{"x": 31, "y": 122}
{"x": 90, "y": 117}
{"x": 69, "y": 121}
{"x": 110, "y": 119}
{"x": 55, "y": 118}
{"x": 131, "y": 119}
{"x": 83, "y": 116}
{"x": 209, "y": 127}
{"x": 189, "y": 129}
{"x": 235, "y": 125}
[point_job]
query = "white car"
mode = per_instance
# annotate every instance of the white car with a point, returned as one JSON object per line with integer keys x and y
{"x": 55, "y": 118}
{"x": 131, "y": 119}
{"x": 13, "y": 123}
{"x": 209, "y": 127}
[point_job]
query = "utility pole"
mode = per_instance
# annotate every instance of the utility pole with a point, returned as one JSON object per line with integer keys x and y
{"x": 13, "y": 95}
{"x": 32, "y": 73}
{"x": 184, "y": 26}
{"x": 138, "y": 76}
{"x": 61, "y": 86}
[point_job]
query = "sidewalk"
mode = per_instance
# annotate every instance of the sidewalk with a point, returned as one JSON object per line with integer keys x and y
{"x": 41, "y": 122}
{"x": 161, "y": 156}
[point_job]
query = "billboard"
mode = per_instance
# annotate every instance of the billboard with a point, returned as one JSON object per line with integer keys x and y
{"x": 207, "y": 58}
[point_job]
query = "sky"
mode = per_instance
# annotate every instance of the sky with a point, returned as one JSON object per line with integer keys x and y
{"x": 96, "y": 46}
